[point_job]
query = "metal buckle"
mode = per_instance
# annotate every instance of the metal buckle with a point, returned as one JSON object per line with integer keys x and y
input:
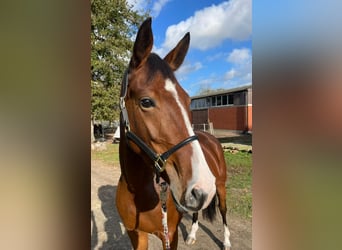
{"x": 124, "y": 113}
{"x": 159, "y": 163}
{"x": 122, "y": 103}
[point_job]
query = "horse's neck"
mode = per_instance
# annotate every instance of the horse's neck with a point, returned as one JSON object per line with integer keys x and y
{"x": 139, "y": 177}
{"x": 135, "y": 168}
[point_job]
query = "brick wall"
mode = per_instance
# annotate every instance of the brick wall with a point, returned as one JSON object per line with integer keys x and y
{"x": 231, "y": 118}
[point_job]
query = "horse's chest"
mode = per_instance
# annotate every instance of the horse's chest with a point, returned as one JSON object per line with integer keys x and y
{"x": 139, "y": 211}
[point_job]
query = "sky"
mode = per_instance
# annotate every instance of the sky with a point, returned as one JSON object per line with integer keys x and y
{"x": 220, "y": 52}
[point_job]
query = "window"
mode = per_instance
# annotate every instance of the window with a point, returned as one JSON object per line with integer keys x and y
{"x": 199, "y": 103}
{"x": 224, "y": 100}
{"x": 213, "y": 101}
{"x": 207, "y": 102}
{"x": 239, "y": 98}
{"x": 218, "y": 100}
{"x": 230, "y": 99}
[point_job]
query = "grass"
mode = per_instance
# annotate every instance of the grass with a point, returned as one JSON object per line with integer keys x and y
{"x": 109, "y": 156}
{"x": 239, "y": 185}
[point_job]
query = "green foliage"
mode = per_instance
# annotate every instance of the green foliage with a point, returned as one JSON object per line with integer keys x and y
{"x": 113, "y": 24}
{"x": 104, "y": 102}
{"x": 239, "y": 185}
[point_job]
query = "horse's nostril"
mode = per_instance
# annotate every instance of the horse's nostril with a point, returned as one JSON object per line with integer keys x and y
{"x": 195, "y": 199}
{"x": 196, "y": 193}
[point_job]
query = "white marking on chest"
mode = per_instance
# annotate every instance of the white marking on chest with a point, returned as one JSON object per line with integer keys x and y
{"x": 205, "y": 180}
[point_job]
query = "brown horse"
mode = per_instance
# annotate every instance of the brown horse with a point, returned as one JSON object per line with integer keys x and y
{"x": 158, "y": 147}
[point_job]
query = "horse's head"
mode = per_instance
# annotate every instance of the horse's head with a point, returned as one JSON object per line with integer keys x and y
{"x": 158, "y": 111}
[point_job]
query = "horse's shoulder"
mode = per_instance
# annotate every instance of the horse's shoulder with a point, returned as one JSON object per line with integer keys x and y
{"x": 213, "y": 152}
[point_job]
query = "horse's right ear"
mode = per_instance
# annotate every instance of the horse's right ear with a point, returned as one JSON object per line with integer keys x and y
{"x": 142, "y": 45}
{"x": 176, "y": 56}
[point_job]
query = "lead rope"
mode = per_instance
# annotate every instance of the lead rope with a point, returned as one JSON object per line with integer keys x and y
{"x": 163, "y": 197}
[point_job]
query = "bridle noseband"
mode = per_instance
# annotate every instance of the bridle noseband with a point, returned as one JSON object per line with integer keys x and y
{"x": 158, "y": 159}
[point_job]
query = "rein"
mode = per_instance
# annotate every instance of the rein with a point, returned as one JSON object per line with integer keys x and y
{"x": 159, "y": 160}
{"x": 163, "y": 199}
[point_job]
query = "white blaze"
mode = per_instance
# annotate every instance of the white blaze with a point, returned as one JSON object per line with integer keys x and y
{"x": 205, "y": 181}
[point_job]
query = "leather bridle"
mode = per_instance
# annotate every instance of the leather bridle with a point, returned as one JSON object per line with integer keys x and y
{"x": 158, "y": 159}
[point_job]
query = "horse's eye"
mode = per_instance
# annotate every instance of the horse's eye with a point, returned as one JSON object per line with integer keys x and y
{"x": 146, "y": 102}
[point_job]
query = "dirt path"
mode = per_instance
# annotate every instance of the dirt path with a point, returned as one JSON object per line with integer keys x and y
{"x": 107, "y": 231}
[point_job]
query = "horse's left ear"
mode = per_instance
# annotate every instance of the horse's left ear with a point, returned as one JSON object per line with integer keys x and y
{"x": 142, "y": 45}
{"x": 176, "y": 56}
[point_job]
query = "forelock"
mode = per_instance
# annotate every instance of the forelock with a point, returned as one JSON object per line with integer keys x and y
{"x": 157, "y": 65}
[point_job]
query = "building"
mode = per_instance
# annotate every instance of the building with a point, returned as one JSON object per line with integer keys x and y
{"x": 227, "y": 110}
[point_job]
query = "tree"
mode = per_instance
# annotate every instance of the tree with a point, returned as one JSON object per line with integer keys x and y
{"x": 113, "y": 24}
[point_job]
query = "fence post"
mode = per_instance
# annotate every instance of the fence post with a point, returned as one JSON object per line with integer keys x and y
{"x": 211, "y": 128}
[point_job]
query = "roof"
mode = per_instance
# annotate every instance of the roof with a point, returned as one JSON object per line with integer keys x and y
{"x": 224, "y": 91}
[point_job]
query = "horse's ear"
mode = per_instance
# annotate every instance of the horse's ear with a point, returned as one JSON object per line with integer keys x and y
{"x": 143, "y": 44}
{"x": 176, "y": 56}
